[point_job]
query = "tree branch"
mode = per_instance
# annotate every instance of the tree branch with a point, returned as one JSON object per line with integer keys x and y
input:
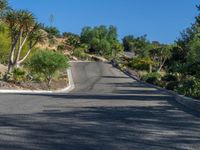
{"x": 29, "y": 51}
{"x": 20, "y": 48}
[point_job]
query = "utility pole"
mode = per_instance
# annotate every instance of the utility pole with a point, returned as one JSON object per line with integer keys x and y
{"x": 51, "y": 20}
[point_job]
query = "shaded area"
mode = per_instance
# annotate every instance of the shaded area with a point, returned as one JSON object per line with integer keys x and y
{"x": 102, "y": 97}
{"x": 101, "y": 128}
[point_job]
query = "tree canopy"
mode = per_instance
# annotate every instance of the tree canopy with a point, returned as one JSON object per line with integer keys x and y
{"x": 102, "y": 40}
{"x": 47, "y": 63}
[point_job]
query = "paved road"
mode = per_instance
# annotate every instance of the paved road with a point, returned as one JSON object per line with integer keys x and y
{"x": 106, "y": 111}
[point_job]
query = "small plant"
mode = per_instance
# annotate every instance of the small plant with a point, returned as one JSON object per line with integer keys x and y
{"x": 47, "y": 63}
{"x": 172, "y": 85}
{"x": 18, "y": 75}
{"x": 1, "y": 76}
{"x": 52, "y": 41}
{"x": 152, "y": 78}
{"x": 61, "y": 48}
{"x": 169, "y": 78}
{"x": 80, "y": 53}
{"x": 189, "y": 87}
{"x": 142, "y": 64}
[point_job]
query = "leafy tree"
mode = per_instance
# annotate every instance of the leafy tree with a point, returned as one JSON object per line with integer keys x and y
{"x": 104, "y": 48}
{"x": 117, "y": 49}
{"x": 187, "y": 41}
{"x": 135, "y": 44}
{"x": 73, "y": 40}
{"x": 4, "y": 44}
{"x": 112, "y": 33}
{"x": 86, "y": 35}
{"x": 79, "y": 52}
{"x": 128, "y": 44}
{"x": 194, "y": 54}
{"x": 144, "y": 63}
{"x": 22, "y": 29}
{"x": 52, "y": 31}
{"x": 48, "y": 63}
{"x": 102, "y": 40}
{"x": 160, "y": 55}
{"x": 3, "y": 5}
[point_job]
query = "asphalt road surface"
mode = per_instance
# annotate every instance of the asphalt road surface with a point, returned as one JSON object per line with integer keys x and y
{"x": 106, "y": 111}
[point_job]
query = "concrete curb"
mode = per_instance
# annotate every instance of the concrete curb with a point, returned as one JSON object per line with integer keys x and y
{"x": 190, "y": 103}
{"x": 69, "y": 88}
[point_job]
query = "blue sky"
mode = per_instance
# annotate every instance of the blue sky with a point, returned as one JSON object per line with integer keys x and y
{"x": 161, "y": 20}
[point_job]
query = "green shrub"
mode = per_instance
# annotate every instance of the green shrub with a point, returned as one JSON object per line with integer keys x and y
{"x": 18, "y": 75}
{"x": 152, "y": 78}
{"x": 189, "y": 87}
{"x": 169, "y": 78}
{"x": 52, "y": 41}
{"x": 47, "y": 63}
{"x": 80, "y": 53}
{"x": 61, "y": 48}
{"x": 141, "y": 64}
{"x": 1, "y": 75}
{"x": 138, "y": 64}
{"x": 5, "y": 42}
{"x": 172, "y": 85}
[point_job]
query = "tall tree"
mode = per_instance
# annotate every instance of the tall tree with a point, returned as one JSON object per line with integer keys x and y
{"x": 23, "y": 29}
{"x": 161, "y": 54}
{"x": 102, "y": 40}
{"x": 3, "y": 7}
{"x": 135, "y": 44}
{"x": 52, "y": 31}
{"x": 3, "y": 4}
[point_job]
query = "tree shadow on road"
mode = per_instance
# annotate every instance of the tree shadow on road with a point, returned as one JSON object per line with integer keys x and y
{"x": 170, "y": 126}
{"x": 101, "y": 128}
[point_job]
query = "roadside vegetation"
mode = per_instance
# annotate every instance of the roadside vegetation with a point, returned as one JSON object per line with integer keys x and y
{"x": 45, "y": 64}
{"x": 33, "y": 52}
{"x": 174, "y": 67}
{"x": 29, "y": 66}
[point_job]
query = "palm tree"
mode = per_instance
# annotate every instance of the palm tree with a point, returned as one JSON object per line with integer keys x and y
{"x": 23, "y": 29}
{"x": 3, "y": 4}
{"x": 3, "y": 7}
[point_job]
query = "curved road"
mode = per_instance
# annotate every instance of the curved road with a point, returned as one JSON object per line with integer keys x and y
{"x": 106, "y": 111}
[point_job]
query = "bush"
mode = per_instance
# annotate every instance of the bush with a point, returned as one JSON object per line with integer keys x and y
{"x": 138, "y": 64}
{"x": 141, "y": 64}
{"x": 152, "y": 78}
{"x": 18, "y": 75}
{"x": 80, "y": 53}
{"x": 172, "y": 85}
{"x": 4, "y": 44}
{"x": 47, "y": 63}
{"x": 189, "y": 87}
{"x": 169, "y": 78}
{"x": 61, "y": 48}
{"x": 1, "y": 75}
{"x": 52, "y": 41}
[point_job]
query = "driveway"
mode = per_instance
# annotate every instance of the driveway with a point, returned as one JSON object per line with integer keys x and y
{"x": 106, "y": 111}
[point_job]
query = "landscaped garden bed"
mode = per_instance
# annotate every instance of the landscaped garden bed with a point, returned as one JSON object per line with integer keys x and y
{"x": 58, "y": 83}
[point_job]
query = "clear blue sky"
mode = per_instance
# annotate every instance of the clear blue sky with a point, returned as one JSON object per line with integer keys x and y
{"x": 161, "y": 20}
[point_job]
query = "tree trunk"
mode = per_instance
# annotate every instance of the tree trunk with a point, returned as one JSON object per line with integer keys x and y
{"x": 11, "y": 62}
{"x": 150, "y": 68}
{"x": 28, "y": 53}
{"x": 161, "y": 65}
{"x": 10, "y": 68}
{"x": 21, "y": 44}
{"x": 49, "y": 79}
